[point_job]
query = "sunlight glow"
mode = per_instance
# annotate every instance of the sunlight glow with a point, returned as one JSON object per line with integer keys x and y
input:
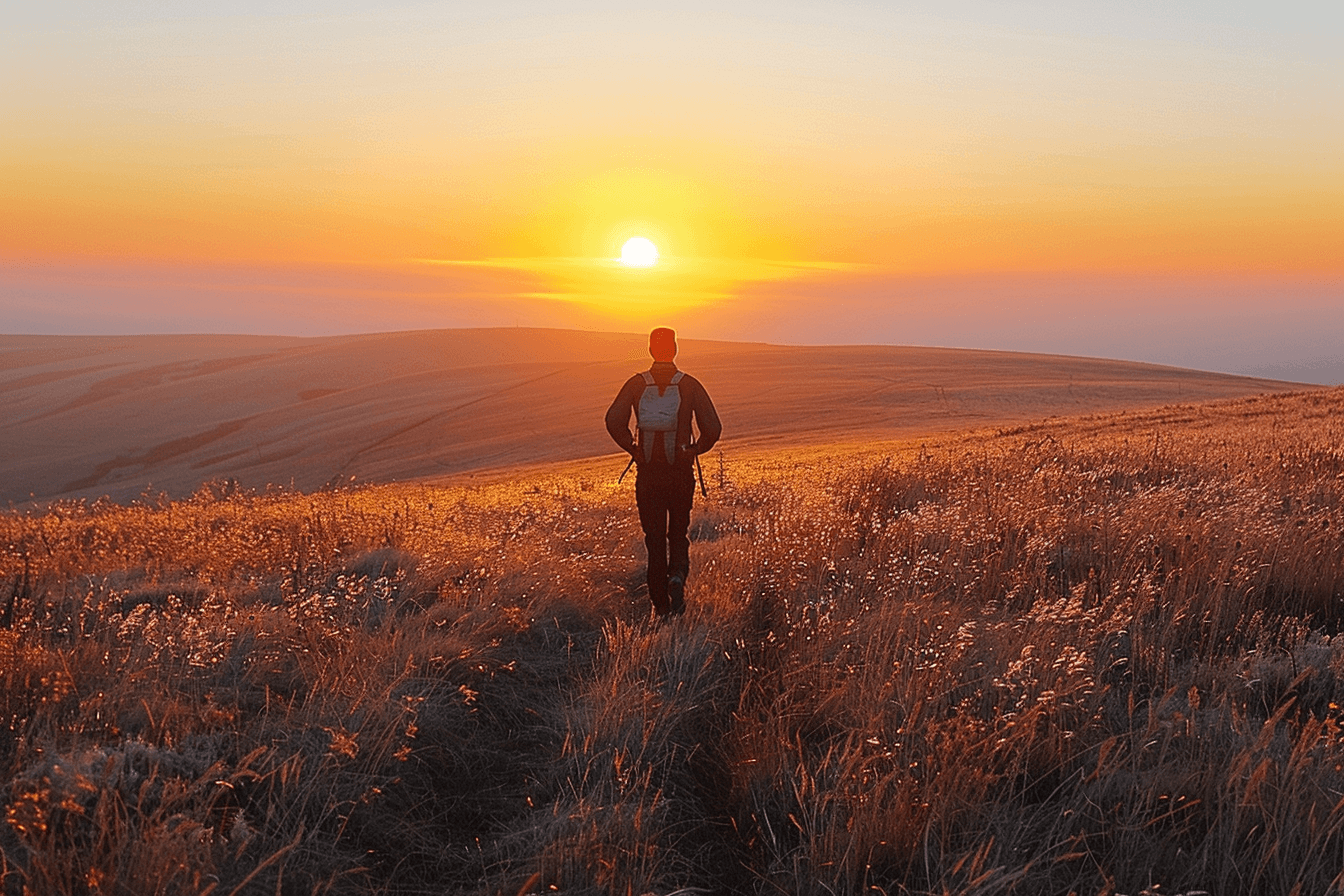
{"x": 639, "y": 252}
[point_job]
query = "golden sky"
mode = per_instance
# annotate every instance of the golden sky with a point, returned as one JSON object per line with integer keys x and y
{"x": 497, "y": 157}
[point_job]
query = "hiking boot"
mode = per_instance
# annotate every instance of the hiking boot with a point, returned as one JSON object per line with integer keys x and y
{"x": 676, "y": 591}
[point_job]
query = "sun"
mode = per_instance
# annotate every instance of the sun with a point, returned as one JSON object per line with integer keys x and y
{"x": 639, "y": 252}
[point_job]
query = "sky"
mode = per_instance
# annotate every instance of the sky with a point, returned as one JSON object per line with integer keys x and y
{"x": 1153, "y": 181}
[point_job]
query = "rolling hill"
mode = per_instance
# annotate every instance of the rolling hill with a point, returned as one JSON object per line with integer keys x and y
{"x": 92, "y": 416}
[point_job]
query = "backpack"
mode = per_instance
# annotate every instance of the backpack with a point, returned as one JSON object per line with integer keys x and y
{"x": 656, "y": 415}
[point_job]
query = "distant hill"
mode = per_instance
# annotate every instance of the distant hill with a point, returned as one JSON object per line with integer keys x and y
{"x": 92, "y": 416}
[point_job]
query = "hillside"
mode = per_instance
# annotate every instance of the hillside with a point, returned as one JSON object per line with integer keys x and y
{"x": 92, "y": 416}
{"x": 1087, "y": 655}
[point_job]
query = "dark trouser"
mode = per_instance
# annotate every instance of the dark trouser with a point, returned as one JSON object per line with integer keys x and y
{"x": 664, "y": 495}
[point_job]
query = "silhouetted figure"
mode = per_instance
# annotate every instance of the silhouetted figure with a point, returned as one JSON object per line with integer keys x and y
{"x": 664, "y": 400}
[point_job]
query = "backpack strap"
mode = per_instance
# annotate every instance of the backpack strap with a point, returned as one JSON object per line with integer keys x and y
{"x": 650, "y": 381}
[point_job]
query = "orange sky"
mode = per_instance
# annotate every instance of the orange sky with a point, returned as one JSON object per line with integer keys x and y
{"x": 505, "y": 154}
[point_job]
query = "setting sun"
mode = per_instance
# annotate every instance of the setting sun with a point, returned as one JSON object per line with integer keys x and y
{"x": 639, "y": 252}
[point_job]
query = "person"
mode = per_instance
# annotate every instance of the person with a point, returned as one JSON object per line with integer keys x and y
{"x": 664, "y": 401}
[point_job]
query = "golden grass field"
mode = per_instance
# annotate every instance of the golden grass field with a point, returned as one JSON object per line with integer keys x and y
{"x": 1096, "y": 654}
{"x": 122, "y": 416}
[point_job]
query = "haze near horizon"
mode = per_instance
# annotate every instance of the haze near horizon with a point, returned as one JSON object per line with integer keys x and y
{"x": 1154, "y": 183}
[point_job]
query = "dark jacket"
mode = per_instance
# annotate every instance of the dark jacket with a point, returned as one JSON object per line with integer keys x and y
{"x": 694, "y": 402}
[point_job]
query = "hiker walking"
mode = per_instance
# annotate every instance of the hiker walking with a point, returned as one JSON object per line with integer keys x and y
{"x": 663, "y": 400}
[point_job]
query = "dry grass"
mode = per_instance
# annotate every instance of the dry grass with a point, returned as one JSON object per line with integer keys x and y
{"x": 1095, "y": 655}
